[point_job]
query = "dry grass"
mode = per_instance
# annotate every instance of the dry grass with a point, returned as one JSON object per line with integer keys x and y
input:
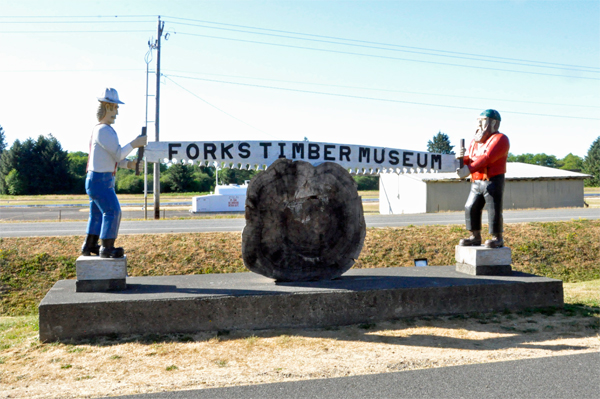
{"x": 593, "y": 202}
{"x": 153, "y": 363}
{"x": 130, "y": 365}
{"x": 29, "y": 266}
{"x": 585, "y": 293}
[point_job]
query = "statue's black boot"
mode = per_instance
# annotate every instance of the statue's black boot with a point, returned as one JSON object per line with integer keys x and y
{"x": 90, "y": 246}
{"x": 472, "y": 241}
{"x": 496, "y": 242}
{"x": 108, "y": 249}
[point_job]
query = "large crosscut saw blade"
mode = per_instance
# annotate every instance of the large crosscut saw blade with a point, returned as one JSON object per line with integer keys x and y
{"x": 259, "y": 155}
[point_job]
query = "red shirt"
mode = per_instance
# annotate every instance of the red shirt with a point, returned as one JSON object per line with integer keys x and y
{"x": 488, "y": 159}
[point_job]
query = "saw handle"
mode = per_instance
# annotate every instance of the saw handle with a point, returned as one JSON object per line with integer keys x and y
{"x": 461, "y": 161}
{"x": 140, "y": 155}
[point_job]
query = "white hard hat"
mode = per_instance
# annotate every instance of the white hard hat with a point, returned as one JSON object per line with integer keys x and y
{"x": 110, "y": 95}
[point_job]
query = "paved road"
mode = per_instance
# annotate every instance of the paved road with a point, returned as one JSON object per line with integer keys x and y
{"x": 210, "y": 225}
{"x": 574, "y": 376}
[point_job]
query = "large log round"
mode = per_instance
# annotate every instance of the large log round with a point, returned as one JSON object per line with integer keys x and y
{"x": 303, "y": 223}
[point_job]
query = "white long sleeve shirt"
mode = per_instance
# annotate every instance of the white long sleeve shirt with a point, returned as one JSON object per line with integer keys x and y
{"x": 105, "y": 151}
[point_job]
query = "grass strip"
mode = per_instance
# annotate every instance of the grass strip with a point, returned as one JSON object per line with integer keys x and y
{"x": 29, "y": 266}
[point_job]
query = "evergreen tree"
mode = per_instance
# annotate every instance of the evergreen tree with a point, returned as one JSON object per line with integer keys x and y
{"x": 42, "y": 167}
{"x": 11, "y": 160}
{"x": 2, "y": 141}
{"x": 51, "y": 171}
{"x": 7, "y": 164}
{"x": 591, "y": 164}
{"x": 440, "y": 144}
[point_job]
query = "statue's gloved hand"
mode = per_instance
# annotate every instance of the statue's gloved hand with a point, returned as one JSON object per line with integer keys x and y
{"x": 460, "y": 154}
{"x": 131, "y": 164}
{"x": 463, "y": 172}
{"x": 139, "y": 141}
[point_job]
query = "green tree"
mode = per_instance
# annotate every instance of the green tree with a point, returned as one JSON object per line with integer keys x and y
{"x": 52, "y": 167}
{"x": 366, "y": 183}
{"x": 591, "y": 164}
{"x": 571, "y": 162}
{"x": 440, "y": 144}
{"x": 535, "y": 159}
{"x": 42, "y": 166}
{"x": 14, "y": 159}
{"x": 15, "y": 185}
{"x": 77, "y": 170}
{"x": 235, "y": 176}
{"x": 131, "y": 184}
{"x": 7, "y": 163}
{"x": 204, "y": 181}
{"x": 178, "y": 178}
{"x": 2, "y": 141}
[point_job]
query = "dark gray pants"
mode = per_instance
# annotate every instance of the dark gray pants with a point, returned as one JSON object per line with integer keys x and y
{"x": 490, "y": 193}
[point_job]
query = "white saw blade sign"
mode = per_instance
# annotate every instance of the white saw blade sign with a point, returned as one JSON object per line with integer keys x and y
{"x": 261, "y": 154}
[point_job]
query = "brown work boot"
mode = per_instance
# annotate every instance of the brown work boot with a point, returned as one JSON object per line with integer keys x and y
{"x": 496, "y": 242}
{"x": 472, "y": 241}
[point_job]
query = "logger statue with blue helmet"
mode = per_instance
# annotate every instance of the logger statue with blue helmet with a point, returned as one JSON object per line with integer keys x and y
{"x": 485, "y": 162}
{"x": 105, "y": 156}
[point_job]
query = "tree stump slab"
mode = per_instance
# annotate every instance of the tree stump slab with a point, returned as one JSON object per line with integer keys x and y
{"x": 303, "y": 223}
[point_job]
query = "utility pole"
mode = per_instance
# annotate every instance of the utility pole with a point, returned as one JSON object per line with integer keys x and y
{"x": 161, "y": 25}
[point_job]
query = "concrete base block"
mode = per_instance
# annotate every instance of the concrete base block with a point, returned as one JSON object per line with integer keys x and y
{"x": 214, "y": 302}
{"x": 100, "y": 285}
{"x": 482, "y": 256}
{"x": 95, "y": 274}
{"x": 500, "y": 270}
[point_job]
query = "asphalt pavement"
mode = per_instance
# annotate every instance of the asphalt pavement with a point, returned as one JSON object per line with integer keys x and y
{"x": 196, "y": 224}
{"x": 572, "y": 377}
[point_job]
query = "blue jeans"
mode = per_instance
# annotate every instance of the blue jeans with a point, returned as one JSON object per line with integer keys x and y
{"x": 105, "y": 211}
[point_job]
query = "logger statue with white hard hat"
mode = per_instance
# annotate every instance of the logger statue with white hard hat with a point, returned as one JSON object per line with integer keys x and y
{"x": 105, "y": 156}
{"x": 485, "y": 161}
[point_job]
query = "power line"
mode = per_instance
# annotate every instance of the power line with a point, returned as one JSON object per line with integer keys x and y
{"x": 76, "y": 22}
{"x": 373, "y": 98}
{"x": 388, "y": 90}
{"x": 72, "y": 70}
{"x": 385, "y": 57}
{"x": 282, "y": 31}
{"x": 366, "y": 44}
{"x": 217, "y": 108}
{"x": 394, "y": 49}
{"x": 76, "y": 31}
{"x": 77, "y": 16}
{"x": 379, "y": 43}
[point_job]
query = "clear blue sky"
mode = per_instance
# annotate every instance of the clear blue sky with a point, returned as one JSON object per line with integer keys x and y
{"x": 386, "y": 73}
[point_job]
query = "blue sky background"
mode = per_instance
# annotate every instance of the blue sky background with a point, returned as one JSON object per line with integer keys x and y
{"x": 396, "y": 90}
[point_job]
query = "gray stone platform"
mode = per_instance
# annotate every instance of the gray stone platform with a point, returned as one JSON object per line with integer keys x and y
{"x": 213, "y": 302}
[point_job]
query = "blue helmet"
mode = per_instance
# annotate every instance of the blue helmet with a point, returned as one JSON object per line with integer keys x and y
{"x": 491, "y": 113}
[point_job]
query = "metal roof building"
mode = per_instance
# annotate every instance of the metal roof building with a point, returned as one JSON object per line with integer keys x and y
{"x": 526, "y": 186}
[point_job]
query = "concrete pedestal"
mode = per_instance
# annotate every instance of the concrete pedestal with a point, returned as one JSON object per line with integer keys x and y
{"x": 482, "y": 261}
{"x": 95, "y": 274}
{"x": 216, "y": 302}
